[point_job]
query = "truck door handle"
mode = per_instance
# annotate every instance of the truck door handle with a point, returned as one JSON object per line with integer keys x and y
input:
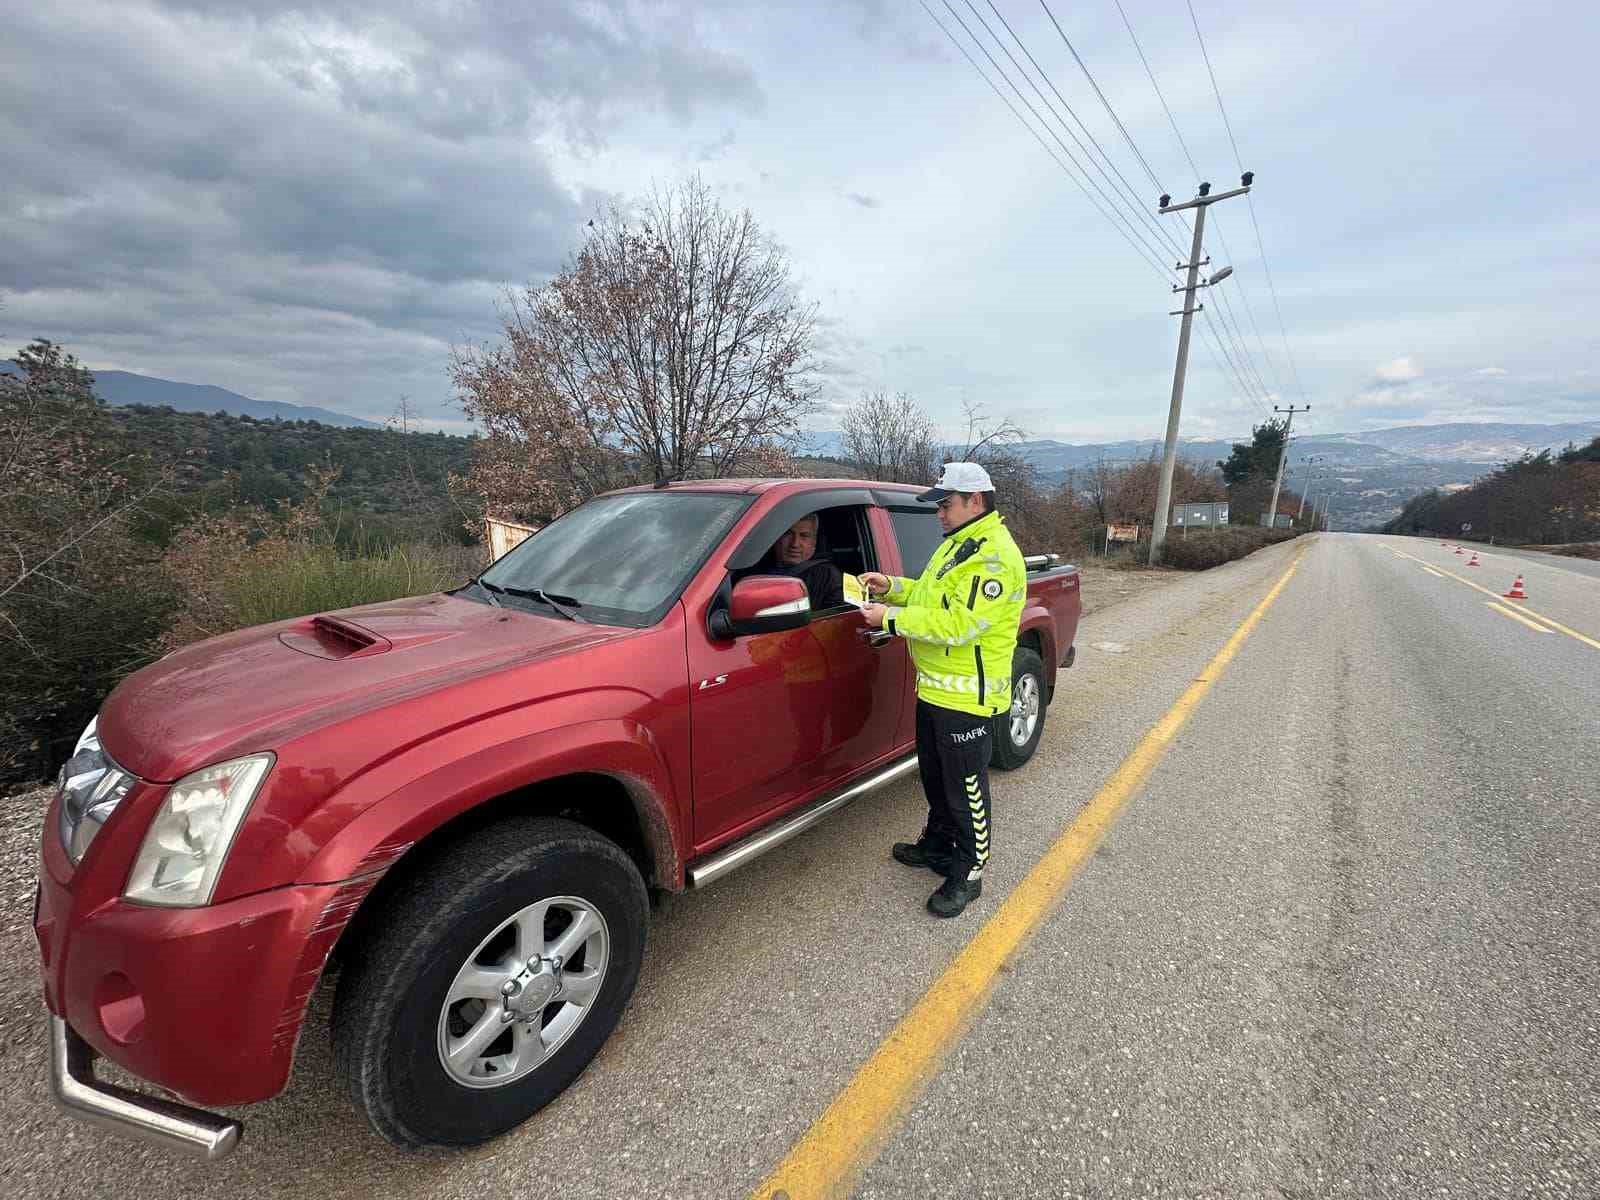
{"x": 875, "y": 637}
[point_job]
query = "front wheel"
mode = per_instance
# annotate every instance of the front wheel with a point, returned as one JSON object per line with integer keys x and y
{"x": 1018, "y": 730}
{"x": 495, "y": 980}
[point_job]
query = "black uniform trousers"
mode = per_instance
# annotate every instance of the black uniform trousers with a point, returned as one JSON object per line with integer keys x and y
{"x": 953, "y": 751}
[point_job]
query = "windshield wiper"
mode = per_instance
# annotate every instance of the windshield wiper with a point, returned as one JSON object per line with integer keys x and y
{"x": 559, "y": 603}
{"x": 488, "y": 589}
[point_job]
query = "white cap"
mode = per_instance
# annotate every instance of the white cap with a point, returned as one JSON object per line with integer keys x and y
{"x": 959, "y": 477}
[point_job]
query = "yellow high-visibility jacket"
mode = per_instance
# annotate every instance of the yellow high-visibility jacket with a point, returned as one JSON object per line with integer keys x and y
{"x": 961, "y": 617}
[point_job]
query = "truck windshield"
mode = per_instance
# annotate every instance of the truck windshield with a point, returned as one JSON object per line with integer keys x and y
{"x": 621, "y": 560}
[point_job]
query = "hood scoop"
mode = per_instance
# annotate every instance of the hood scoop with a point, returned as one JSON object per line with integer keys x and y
{"x": 334, "y": 638}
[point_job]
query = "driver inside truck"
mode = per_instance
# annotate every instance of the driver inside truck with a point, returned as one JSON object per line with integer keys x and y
{"x": 795, "y": 554}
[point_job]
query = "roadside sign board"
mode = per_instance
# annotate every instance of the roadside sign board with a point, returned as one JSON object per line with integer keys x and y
{"x": 1122, "y": 533}
{"x": 1466, "y": 527}
{"x": 1200, "y": 516}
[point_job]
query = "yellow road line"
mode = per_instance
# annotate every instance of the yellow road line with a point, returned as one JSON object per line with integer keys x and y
{"x": 1572, "y": 633}
{"x": 848, "y": 1135}
{"x": 1431, "y": 571}
{"x": 1516, "y": 616}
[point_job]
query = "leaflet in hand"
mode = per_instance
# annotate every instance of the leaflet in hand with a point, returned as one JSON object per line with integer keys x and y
{"x": 855, "y": 592}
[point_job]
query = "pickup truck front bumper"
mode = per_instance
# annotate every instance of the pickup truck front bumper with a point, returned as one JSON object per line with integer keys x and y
{"x": 205, "y": 1003}
{"x": 166, "y": 1123}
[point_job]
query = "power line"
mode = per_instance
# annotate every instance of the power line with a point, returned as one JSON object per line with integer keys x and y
{"x": 1129, "y": 232}
{"x": 1110, "y": 202}
{"x": 1109, "y": 110}
{"x": 1211, "y": 348}
{"x": 1173, "y": 121}
{"x": 1143, "y": 251}
{"x": 1239, "y": 161}
{"x": 1244, "y": 295}
{"x": 1240, "y": 377}
{"x": 1231, "y": 324}
{"x": 1222, "y": 300}
{"x": 1160, "y": 234}
{"x": 1133, "y": 196}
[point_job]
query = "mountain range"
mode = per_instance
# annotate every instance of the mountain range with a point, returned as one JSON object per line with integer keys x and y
{"x": 122, "y": 388}
{"x": 1406, "y": 445}
{"x": 1374, "y": 471}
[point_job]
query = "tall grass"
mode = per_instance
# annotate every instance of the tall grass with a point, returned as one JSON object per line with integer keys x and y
{"x": 237, "y": 570}
{"x": 318, "y": 578}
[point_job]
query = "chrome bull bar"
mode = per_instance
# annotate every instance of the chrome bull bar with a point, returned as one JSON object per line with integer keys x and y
{"x": 164, "y": 1123}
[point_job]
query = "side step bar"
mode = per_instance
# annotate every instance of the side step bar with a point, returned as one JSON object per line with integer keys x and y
{"x": 165, "y": 1123}
{"x": 757, "y": 844}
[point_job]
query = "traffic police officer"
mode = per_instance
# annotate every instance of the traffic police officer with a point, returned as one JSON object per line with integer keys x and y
{"x": 961, "y": 619}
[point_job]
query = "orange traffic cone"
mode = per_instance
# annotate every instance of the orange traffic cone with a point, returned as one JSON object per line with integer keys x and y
{"x": 1459, "y": 550}
{"x": 1473, "y": 561}
{"x": 1516, "y": 592}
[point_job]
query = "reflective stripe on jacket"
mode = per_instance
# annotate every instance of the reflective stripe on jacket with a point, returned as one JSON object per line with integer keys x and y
{"x": 961, "y": 616}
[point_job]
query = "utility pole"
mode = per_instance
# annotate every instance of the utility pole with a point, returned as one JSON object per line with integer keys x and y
{"x": 1169, "y": 454}
{"x": 1311, "y": 479}
{"x": 1283, "y": 456}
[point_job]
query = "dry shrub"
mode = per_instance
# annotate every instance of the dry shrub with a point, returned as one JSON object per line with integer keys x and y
{"x": 1201, "y": 550}
{"x": 1590, "y": 550}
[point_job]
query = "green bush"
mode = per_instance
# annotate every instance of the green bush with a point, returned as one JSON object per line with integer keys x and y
{"x": 1201, "y": 550}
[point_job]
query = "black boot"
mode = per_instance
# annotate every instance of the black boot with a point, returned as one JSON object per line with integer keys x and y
{"x": 923, "y": 853}
{"x": 953, "y": 896}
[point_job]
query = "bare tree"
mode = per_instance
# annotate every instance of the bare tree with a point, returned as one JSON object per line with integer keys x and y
{"x": 672, "y": 345}
{"x": 891, "y": 438}
{"x": 988, "y": 439}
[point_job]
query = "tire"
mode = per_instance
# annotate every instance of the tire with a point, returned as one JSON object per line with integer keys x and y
{"x": 1017, "y": 732}
{"x": 407, "y": 997}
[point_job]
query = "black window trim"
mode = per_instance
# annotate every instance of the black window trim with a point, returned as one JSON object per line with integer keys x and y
{"x": 789, "y": 510}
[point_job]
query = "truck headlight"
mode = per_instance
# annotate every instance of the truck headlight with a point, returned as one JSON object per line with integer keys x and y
{"x": 92, "y": 786}
{"x": 188, "y": 840}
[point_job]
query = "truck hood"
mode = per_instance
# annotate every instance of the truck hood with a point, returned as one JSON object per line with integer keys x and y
{"x": 256, "y": 688}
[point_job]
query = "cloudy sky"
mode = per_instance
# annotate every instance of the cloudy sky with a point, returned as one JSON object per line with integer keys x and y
{"x": 313, "y": 203}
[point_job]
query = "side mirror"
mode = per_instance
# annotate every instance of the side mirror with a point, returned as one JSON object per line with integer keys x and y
{"x": 762, "y": 604}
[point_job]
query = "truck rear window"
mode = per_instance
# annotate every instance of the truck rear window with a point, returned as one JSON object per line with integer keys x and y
{"x": 919, "y": 534}
{"x": 623, "y": 559}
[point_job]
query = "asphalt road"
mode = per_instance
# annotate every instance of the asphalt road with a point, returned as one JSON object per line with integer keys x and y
{"x": 1345, "y": 941}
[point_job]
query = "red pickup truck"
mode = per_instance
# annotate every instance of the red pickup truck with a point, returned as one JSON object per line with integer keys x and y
{"x": 464, "y": 799}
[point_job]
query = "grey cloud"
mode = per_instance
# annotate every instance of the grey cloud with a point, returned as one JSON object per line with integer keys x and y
{"x": 901, "y": 31}
{"x": 863, "y": 200}
{"x": 295, "y": 204}
{"x": 462, "y": 70}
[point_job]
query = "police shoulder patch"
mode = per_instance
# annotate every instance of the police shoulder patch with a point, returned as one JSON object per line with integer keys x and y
{"x": 992, "y": 588}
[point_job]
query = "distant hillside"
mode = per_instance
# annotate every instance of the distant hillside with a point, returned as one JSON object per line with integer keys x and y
{"x": 390, "y": 485}
{"x": 122, "y": 388}
{"x": 1376, "y": 472}
{"x": 1467, "y": 442}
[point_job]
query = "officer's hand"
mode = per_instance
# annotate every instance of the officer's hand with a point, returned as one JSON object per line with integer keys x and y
{"x": 875, "y": 582}
{"x": 875, "y": 613}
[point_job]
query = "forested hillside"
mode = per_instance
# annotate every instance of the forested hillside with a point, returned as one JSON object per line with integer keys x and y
{"x": 1539, "y": 499}
{"x": 390, "y": 484}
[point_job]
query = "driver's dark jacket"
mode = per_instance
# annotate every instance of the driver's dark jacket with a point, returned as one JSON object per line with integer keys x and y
{"x": 824, "y": 581}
